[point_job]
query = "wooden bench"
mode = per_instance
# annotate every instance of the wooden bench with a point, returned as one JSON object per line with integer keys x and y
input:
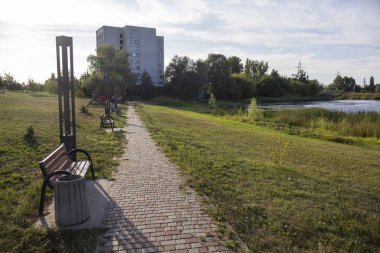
{"x": 106, "y": 121}
{"x": 60, "y": 163}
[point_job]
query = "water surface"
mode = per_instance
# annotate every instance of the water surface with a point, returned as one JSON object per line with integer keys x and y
{"x": 336, "y": 105}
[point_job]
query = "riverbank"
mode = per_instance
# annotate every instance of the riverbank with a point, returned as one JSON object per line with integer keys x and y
{"x": 356, "y": 96}
{"x": 332, "y": 96}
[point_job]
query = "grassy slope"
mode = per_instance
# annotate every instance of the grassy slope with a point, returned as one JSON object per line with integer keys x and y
{"x": 20, "y": 176}
{"x": 323, "y": 197}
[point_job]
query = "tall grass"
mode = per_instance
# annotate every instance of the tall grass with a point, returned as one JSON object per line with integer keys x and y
{"x": 345, "y": 124}
{"x": 356, "y": 124}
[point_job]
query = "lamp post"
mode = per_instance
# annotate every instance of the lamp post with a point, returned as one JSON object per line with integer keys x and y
{"x": 106, "y": 83}
{"x": 65, "y": 73}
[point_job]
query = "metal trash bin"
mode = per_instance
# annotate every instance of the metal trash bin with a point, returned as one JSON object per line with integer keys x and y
{"x": 70, "y": 199}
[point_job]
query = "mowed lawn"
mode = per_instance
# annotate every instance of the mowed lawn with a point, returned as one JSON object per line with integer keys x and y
{"x": 280, "y": 193}
{"x": 21, "y": 178}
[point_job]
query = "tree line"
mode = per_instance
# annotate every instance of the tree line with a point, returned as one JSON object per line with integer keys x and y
{"x": 220, "y": 76}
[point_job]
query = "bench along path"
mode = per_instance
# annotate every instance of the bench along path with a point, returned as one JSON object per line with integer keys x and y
{"x": 150, "y": 211}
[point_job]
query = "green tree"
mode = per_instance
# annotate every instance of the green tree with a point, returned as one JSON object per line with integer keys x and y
{"x": 235, "y": 64}
{"x": 2, "y": 85}
{"x": 146, "y": 89}
{"x": 10, "y": 82}
{"x": 51, "y": 85}
{"x": 114, "y": 63}
{"x": 337, "y": 83}
{"x": 255, "y": 68}
{"x": 348, "y": 84}
{"x": 371, "y": 86}
{"x": 218, "y": 75}
{"x": 183, "y": 77}
{"x": 34, "y": 86}
{"x": 92, "y": 83}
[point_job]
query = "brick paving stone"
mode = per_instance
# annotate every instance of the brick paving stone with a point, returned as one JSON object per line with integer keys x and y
{"x": 150, "y": 210}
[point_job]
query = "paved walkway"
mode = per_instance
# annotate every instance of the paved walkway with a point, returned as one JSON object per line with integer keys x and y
{"x": 150, "y": 211}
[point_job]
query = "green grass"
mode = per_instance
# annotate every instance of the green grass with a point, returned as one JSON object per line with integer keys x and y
{"x": 279, "y": 192}
{"x": 21, "y": 178}
{"x": 357, "y": 95}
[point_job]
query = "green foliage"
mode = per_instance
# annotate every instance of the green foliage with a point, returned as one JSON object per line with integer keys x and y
{"x": 277, "y": 150}
{"x": 255, "y": 68}
{"x": 253, "y": 112}
{"x": 356, "y": 95}
{"x": 345, "y": 83}
{"x": 93, "y": 83}
{"x": 114, "y": 64}
{"x": 371, "y": 86}
{"x": 218, "y": 75}
{"x": 51, "y": 85}
{"x": 34, "y": 87}
{"x": 313, "y": 195}
{"x": 235, "y": 64}
{"x": 2, "y": 84}
{"x": 29, "y": 135}
{"x": 352, "y": 124}
{"x": 185, "y": 79}
{"x": 212, "y": 100}
{"x": 10, "y": 83}
{"x": 79, "y": 93}
{"x": 21, "y": 178}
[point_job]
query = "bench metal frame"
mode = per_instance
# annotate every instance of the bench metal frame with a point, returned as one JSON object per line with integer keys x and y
{"x": 63, "y": 164}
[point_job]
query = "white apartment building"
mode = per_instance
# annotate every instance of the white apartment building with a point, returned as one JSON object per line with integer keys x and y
{"x": 144, "y": 48}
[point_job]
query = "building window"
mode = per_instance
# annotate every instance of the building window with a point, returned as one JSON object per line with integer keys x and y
{"x": 121, "y": 47}
{"x": 135, "y": 48}
{"x": 135, "y": 54}
{"x": 121, "y": 35}
{"x": 121, "y": 42}
{"x": 135, "y": 42}
{"x": 135, "y": 67}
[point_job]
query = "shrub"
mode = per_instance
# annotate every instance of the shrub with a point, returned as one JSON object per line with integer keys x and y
{"x": 254, "y": 113}
{"x": 29, "y": 135}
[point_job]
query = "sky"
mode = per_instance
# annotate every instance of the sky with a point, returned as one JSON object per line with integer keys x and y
{"x": 326, "y": 36}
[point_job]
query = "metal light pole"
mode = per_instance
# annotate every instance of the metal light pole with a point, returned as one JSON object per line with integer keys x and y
{"x": 65, "y": 73}
{"x": 107, "y": 104}
{"x": 106, "y": 86}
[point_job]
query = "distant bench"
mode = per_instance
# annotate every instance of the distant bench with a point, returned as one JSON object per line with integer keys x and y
{"x": 106, "y": 121}
{"x": 59, "y": 163}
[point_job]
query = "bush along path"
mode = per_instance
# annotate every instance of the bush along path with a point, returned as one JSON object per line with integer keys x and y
{"x": 150, "y": 211}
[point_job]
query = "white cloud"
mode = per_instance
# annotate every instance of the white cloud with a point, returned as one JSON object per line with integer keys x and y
{"x": 280, "y": 32}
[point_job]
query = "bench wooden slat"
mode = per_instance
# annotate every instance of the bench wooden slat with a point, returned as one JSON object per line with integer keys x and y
{"x": 59, "y": 151}
{"x": 61, "y": 163}
{"x": 79, "y": 168}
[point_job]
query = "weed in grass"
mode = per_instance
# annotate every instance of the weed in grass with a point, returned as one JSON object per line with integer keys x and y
{"x": 29, "y": 136}
{"x": 277, "y": 149}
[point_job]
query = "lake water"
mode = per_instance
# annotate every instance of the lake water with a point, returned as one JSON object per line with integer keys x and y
{"x": 337, "y": 105}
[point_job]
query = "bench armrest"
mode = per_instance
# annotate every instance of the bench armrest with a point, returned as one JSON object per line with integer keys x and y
{"x": 80, "y": 151}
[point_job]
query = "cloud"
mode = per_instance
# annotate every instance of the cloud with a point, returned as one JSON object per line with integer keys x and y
{"x": 327, "y": 35}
